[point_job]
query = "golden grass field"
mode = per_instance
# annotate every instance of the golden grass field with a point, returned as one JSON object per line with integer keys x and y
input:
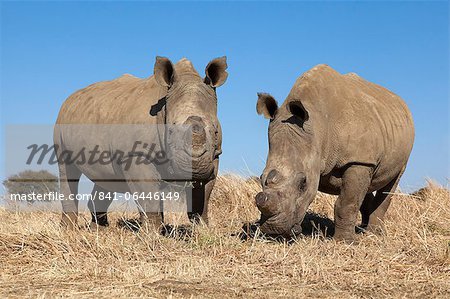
{"x": 39, "y": 259}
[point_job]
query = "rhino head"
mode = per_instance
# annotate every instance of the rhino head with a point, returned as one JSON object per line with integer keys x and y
{"x": 191, "y": 102}
{"x": 291, "y": 176}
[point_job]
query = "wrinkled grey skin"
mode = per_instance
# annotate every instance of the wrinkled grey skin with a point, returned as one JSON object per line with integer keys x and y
{"x": 338, "y": 134}
{"x": 174, "y": 95}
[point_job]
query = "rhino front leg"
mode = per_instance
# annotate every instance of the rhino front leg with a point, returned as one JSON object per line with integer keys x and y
{"x": 355, "y": 183}
{"x": 200, "y": 198}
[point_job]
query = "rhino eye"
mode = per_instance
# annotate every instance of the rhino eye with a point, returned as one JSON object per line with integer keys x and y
{"x": 302, "y": 183}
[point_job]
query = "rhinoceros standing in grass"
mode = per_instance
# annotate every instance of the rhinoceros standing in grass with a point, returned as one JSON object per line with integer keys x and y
{"x": 175, "y": 95}
{"x": 338, "y": 134}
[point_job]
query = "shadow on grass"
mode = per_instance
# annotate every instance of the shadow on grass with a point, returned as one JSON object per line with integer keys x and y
{"x": 177, "y": 232}
{"x": 313, "y": 225}
{"x": 133, "y": 225}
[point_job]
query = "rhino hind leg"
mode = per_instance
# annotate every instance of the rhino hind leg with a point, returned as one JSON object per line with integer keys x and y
{"x": 374, "y": 208}
{"x": 144, "y": 180}
{"x": 355, "y": 183}
{"x": 376, "y": 221}
{"x": 366, "y": 209}
{"x": 69, "y": 177}
{"x": 98, "y": 206}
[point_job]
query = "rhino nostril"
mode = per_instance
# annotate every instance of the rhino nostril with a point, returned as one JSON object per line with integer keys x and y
{"x": 261, "y": 198}
{"x": 302, "y": 182}
{"x": 272, "y": 177}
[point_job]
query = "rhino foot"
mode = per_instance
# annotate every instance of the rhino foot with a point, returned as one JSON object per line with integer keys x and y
{"x": 177, "y": 231}
{"x": 93, "y": 227}
{"x": 130, "y": 224}
{"x": 348, "y": 237}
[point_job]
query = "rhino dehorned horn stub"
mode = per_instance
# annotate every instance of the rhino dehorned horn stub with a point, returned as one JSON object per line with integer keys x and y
{"x": 197, "y": 124}
{"x": 197, "y": 129}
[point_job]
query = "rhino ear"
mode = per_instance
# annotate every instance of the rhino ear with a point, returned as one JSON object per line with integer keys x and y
{"x": 266, "y": 105}
{"x": 297, "y": 109}
{"x": 164, "y": 71}
{"x": 215, "y": 71}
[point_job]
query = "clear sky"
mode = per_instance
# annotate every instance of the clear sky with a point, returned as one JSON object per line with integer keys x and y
{"x": 51, "y": 49}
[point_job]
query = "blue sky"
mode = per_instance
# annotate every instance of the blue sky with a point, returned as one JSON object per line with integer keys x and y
{"x": 51, "y": 49}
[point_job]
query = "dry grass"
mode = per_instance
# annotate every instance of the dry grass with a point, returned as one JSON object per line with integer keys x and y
{"x": 39, "y": 259}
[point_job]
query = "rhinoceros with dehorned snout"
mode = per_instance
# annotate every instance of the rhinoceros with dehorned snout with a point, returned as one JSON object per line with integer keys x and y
{"x": 338, "y": 134}
{"x": 176, "y": 95}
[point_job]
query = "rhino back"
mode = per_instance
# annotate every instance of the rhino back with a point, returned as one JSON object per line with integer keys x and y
{"x": 125, "y": 100}
{"x": 360, "y": 122}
